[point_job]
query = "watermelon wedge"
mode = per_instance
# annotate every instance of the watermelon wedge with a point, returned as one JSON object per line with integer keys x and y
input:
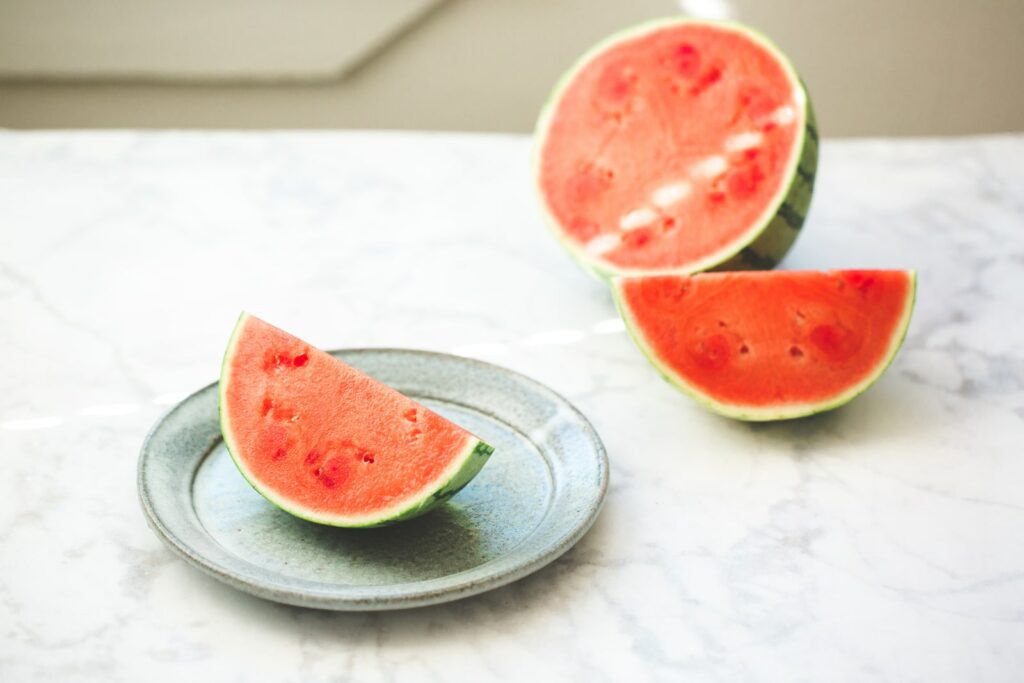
{"x": 675, "y": 147}
{"x": 770, "y": 345}
{"x": 327, "y": 443}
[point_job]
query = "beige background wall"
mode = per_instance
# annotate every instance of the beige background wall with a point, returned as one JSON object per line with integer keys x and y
{"x": 874, "y": 67}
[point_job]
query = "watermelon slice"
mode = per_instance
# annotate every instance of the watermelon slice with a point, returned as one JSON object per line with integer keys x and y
{"x": 770, "y": 345}
{"x": 330, "y": 444}
{"x": 675, "y": 147}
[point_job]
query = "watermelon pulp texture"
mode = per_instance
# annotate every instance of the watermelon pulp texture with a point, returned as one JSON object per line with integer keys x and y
{"x": 770, "y": 345}
{"x": 330, "y": 444}
{"x": 675, "y": 147}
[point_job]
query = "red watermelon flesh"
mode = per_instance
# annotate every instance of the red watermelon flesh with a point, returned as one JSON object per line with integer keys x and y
{"x": 673, "y": 146}
{"x": 770, "y": 345}
{"x": 328, "y": 443}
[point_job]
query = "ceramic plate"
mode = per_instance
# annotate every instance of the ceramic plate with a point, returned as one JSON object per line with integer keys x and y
{"x": 537, "y": 496}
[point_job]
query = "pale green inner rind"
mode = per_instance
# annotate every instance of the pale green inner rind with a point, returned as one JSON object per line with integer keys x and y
{"x": 766, "y": 413}
{"x": 769, "y": 236}
{"x": 459, "y": 473}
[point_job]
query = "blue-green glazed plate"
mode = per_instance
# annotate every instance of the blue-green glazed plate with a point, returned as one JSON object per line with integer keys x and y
{"x": 536, "y": 497}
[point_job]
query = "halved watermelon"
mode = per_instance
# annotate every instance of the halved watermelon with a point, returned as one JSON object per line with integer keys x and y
{"x": 330, "y": 444}
{"x": 677, "y": 146}
{"x": 770, "y": 345}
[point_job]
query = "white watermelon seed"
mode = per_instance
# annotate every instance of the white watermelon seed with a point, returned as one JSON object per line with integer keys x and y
{"x": 783, "y": 115}
{"x": 637, "y": 219}
{"x": 709, "y": 167}
{"x": 742, "y": 141}
{"x": 667, "y": 195}
{"x": 602, "y": 244}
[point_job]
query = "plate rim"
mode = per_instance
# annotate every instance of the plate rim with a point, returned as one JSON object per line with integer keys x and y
{"x": 326, "y": 600}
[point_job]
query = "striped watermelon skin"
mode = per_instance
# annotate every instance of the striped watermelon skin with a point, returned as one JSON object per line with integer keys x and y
{"x": 778, "y": 236}
{"x": 768, "y": 240}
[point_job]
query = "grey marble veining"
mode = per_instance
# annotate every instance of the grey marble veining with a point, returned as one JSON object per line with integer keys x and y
{"x": 880, "y": 542}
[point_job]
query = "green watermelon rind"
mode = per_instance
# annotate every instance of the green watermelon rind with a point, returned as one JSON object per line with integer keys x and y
{"x": 770, "y": 413}
{"x": 769, "y": 238}
{"x": 459, "y": 473}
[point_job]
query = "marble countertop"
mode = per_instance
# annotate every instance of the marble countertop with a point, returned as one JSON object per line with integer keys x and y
{"x": 883, "y": 541}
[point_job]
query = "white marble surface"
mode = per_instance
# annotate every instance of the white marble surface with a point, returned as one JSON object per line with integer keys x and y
{"x": 884, "y": 541}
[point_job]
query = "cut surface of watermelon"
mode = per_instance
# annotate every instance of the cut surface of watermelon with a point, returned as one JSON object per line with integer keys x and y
{"x": 677, "y": 146}
{"x": 330, "y": 444}
{"x": 770, "y": 345}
